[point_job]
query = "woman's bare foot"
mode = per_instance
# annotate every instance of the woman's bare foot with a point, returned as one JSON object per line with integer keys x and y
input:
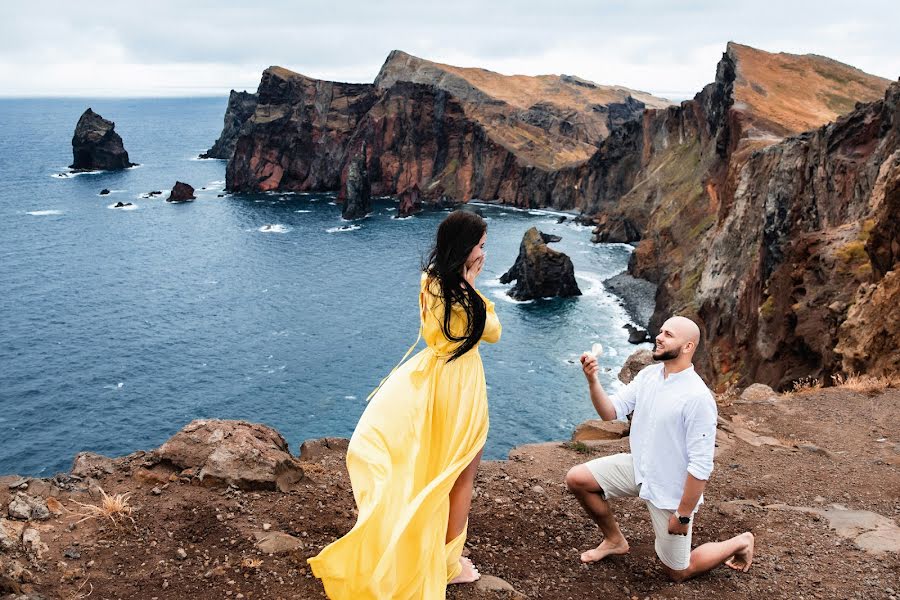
{"x": 743, "y": 558}
{"x": 468, "y": 574}
{"x": 606, "y": 548}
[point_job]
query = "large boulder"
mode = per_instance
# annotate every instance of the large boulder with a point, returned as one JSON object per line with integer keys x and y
{"x": 539, "y": 271}
{"x": 357, "y": 191}
{"x": 96, "y": 145}
{"x": 597, "y": 429}
{"x": 181, "y": 192}
{"x": 633, "y": 365}
{"x": 246, "y": 455}
{"x": 241, "y": 106}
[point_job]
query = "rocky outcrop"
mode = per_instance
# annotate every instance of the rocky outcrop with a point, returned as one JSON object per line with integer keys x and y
{"x": 357, "y": 191}
{"x": 747, "y": 231}
{"x": 241, "y": 106}
{"x": 410, "y": 202}
{"x": 597, "y": 429}
{"x": 181, "y": 192}
{"x": 96, "y": 146}
{"x": 453, "y": 132}
{"x": 633, "y": 365}
{"x": 246, "y": 455}
{"x": 540, "y": 271}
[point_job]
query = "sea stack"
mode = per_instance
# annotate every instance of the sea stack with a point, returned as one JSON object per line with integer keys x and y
{"x": 182, "y": 192}
{"x": 357, "y": 193}
{"x": 410, "y": 202}
{"x": 540, "y": 271}
{"x": 96, "y": 146}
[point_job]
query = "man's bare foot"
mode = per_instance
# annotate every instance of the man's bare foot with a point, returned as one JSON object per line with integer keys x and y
{"x": 606, "y": 548}
{"x": 742, "y": 559}
{"x": 468, "y": 574}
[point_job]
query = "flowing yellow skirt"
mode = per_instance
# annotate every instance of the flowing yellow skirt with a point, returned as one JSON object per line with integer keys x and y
{"x": 421, "y": 429}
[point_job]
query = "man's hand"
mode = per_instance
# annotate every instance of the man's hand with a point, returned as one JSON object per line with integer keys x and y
{"x": 589, "y": 366}
{"x": 675, "y": 526}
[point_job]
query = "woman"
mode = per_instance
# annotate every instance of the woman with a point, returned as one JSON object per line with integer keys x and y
{"x": 413, "y": 456}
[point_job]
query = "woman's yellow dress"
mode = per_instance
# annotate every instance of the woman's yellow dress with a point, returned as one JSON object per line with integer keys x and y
{"x": 423, "y": 426}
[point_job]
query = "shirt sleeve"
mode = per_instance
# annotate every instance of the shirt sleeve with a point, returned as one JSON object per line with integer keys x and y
{"x": 624, "y": 400}
{"x": 700, "y": 426}
{"x": 492, "y": 327}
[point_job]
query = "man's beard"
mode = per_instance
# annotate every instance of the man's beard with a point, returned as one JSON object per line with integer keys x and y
{"x": 668, "y": 355}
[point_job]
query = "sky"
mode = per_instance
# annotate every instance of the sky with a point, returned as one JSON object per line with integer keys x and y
{"x": 203, "y": 48}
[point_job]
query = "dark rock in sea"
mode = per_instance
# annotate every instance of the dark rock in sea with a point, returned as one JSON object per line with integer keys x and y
{"x": 182, "y": 192}
{"x": 539, "y": 271}
{"x": 561, "y": 219}
{"x": 357, "y": 192}
{"x": 96, "y": 146}
{"x": 636, "y": 335}
{"x": 241, "y": 106}
{"x": 410, "y": 202}
{"x": 122, "y": 204}
{"x": 104, "y": 192}
{"x": 220, "y": 195}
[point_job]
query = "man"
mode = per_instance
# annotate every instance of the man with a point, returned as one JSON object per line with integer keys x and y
{"x": 673, "y": 434}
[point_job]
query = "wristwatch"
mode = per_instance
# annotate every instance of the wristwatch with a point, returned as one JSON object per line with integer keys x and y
{"x": 682, "y": 519}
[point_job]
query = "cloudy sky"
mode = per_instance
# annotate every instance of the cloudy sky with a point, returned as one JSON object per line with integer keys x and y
{"x": 189, "y": 48}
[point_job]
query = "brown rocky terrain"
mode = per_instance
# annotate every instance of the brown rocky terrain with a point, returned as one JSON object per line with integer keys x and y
{"x": 242, "y": 520}
{"x": 241, "y": 106}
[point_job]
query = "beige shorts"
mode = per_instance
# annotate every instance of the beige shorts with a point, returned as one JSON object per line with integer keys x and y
{"x": 615, "y": 474}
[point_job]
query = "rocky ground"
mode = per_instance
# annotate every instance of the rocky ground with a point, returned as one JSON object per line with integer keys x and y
{"x": 786, "y": 468}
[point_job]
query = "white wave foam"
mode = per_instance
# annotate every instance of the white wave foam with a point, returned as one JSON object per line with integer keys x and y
{"x": 343, "y": 228}
{"x": 274, "y": 228}
{"x": 501, "y": 295}
{"x": 44, "y": 213}
{"x": 302, "y": 211}
{"x": 129, "y": 207}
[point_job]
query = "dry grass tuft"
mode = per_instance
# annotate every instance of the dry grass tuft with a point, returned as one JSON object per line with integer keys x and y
{"x": 806, "y": 384}
{"x": 866, "y": 384}
{"x": 79, "y": 594}
{"x": 115, "y": 508}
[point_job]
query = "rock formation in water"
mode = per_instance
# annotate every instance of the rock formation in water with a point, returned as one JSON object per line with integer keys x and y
{"x": 241, "y": 106}
{"x": 357, "y": 192}
{"x": 758, "y": 228}
{"x": 96, "y": 146}
{"x": 410, "y": 202}
{"x": 540, "y": 271}
{"x": 455, "y": 133}
{"x": 181, "y": 192}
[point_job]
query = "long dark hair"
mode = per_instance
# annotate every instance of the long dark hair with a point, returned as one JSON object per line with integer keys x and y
{"x": 456, "y": 236}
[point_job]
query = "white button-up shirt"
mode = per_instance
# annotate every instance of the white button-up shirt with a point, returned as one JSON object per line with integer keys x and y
{"x": 673, "y": 431}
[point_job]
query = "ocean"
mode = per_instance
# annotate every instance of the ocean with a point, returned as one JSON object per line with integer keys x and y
{"x": 120, "y": 326}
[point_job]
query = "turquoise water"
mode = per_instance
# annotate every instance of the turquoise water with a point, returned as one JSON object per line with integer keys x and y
{"x": 120, "y": 326}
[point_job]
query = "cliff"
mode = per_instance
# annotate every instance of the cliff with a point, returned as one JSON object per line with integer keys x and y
{"x": 759, "y": 236}
{"x": 455, "y": 133}
{"x": 241, "y": 106}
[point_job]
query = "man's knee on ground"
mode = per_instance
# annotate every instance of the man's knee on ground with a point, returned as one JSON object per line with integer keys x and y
{"x": 580, "y": 479}
{"x": 677, "y": 576}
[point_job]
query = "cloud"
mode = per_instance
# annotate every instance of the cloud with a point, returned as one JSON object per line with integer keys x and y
{"x": 202, "y": 47}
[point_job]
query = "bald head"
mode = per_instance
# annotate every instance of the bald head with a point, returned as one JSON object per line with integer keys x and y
{"x": 678, "y": 338}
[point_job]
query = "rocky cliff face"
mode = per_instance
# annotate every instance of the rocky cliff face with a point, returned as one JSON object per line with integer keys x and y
{"x": 241, "y": 106}
{"x": 97, "y": 146}
{"x": 455, "y": 133}
{"x": 762, "y": 237}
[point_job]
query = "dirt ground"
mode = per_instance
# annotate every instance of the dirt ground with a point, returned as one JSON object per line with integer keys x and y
{"x": 807, "y": 450}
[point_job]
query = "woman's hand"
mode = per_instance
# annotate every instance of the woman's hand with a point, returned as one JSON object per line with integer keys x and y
{"x": 471, "y": 272}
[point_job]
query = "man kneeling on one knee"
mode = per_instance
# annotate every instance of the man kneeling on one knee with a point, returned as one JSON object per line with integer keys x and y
{"x": 673, "y": 436}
